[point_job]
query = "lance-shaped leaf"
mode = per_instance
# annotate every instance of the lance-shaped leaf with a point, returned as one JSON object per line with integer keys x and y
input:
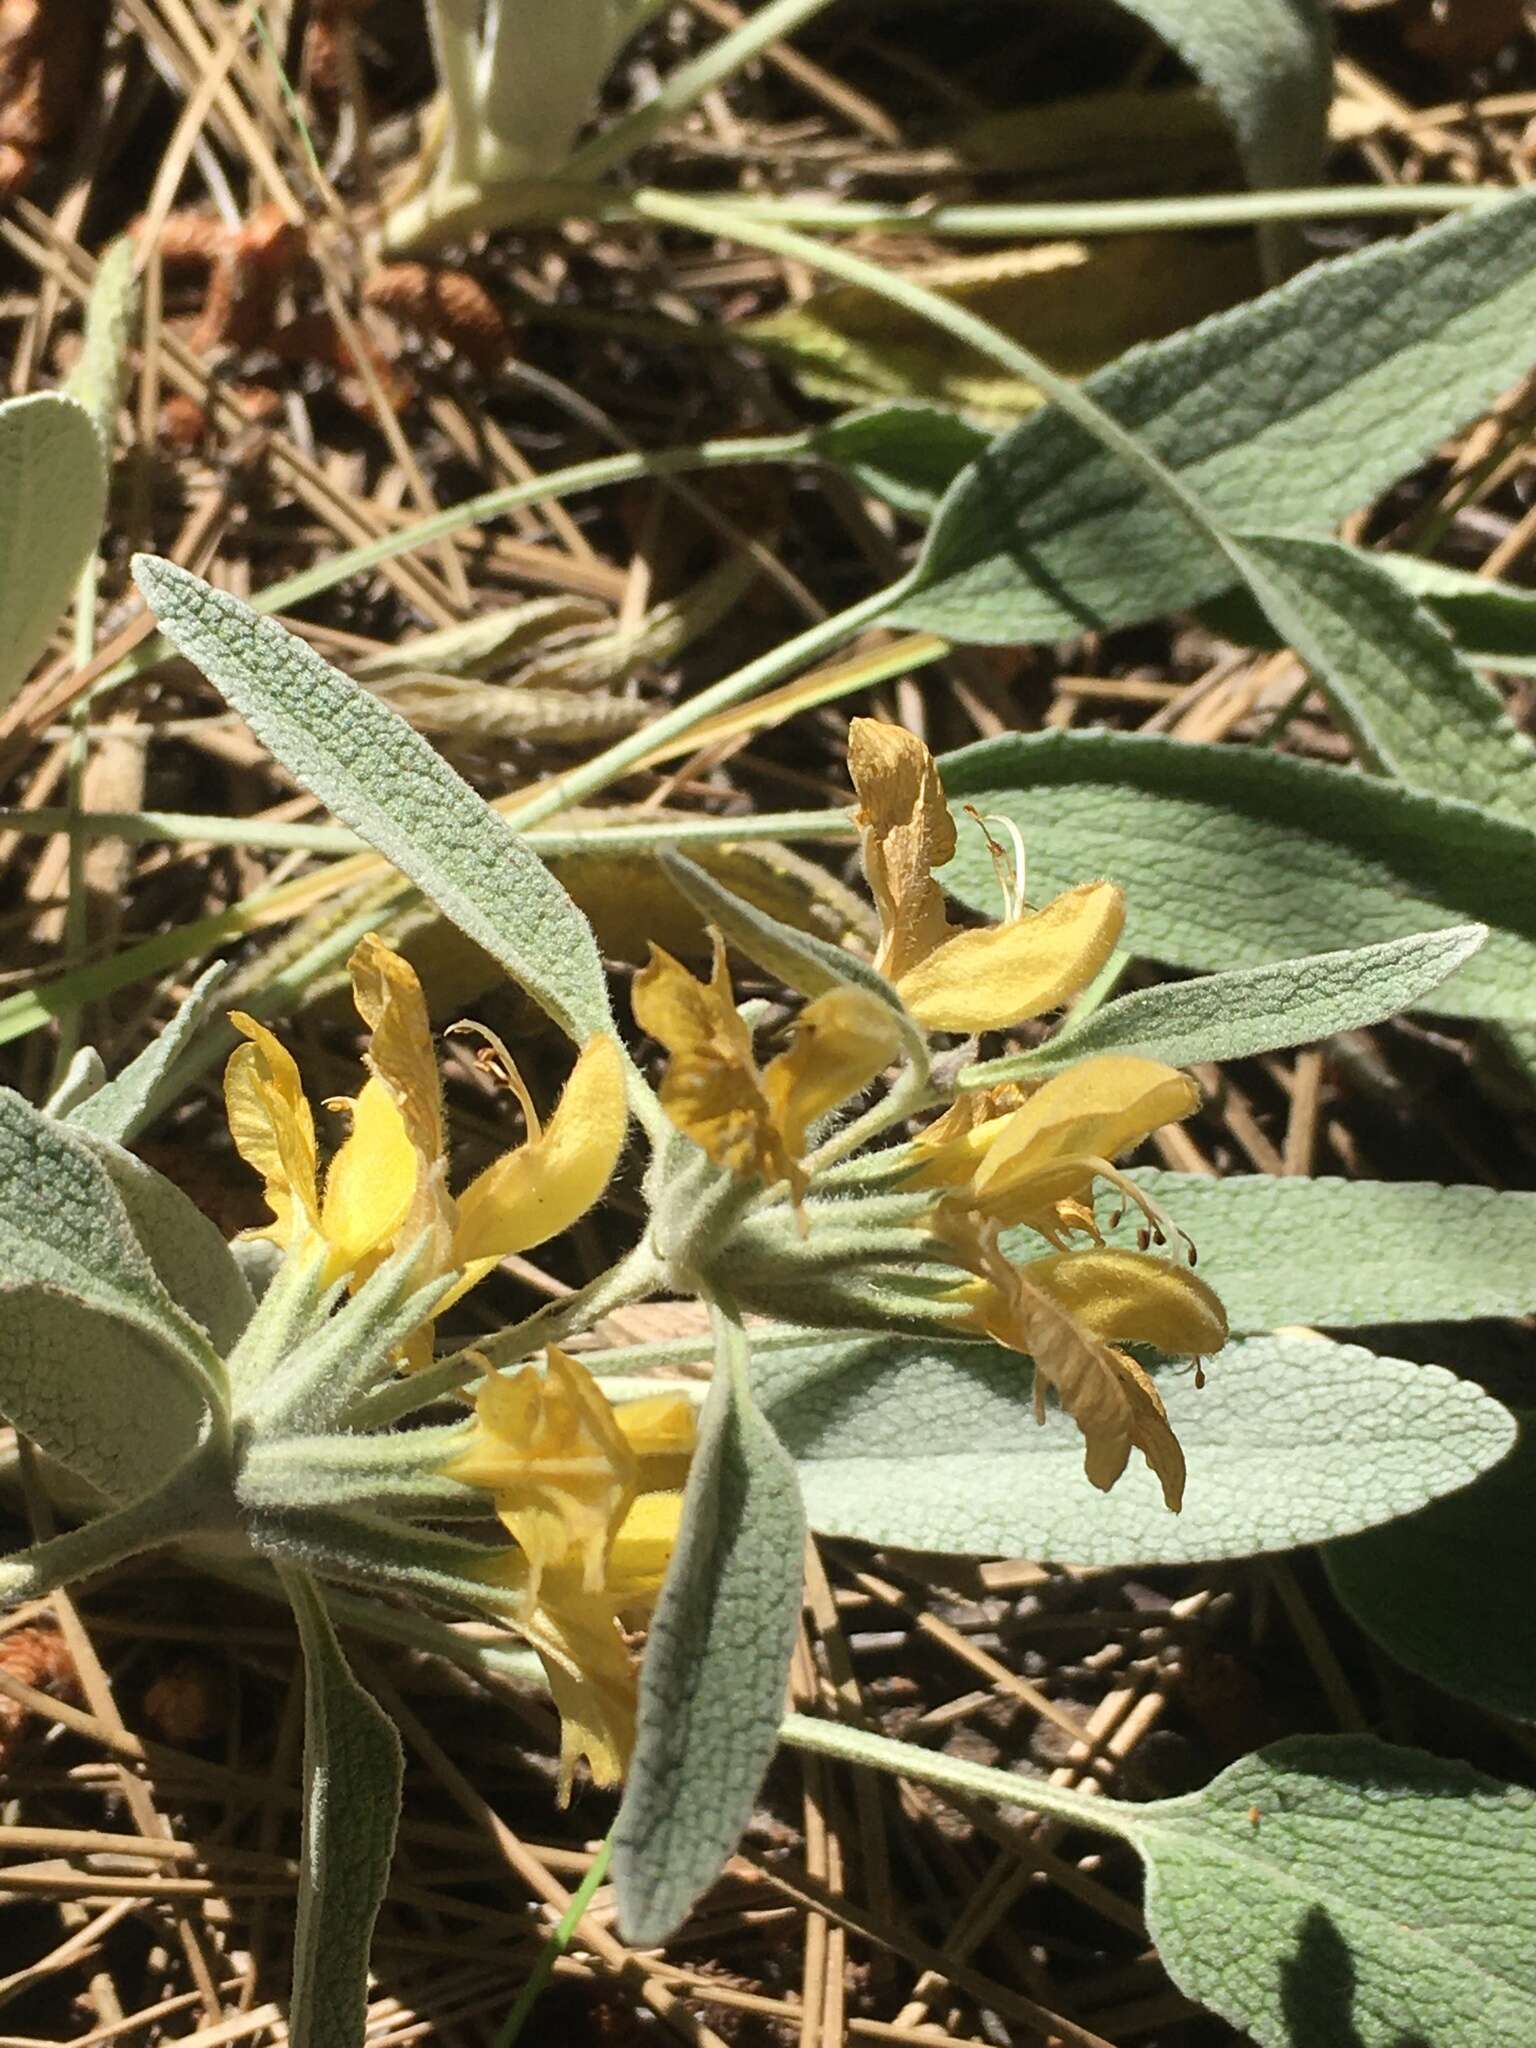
{"x": 1393, "y": 675}
{"x": 1231, "y": 857}
{"x": 1307, "y": 401}
{"x": 1451, "y": 1592}
{"x": 101, "y": 371}
{"x": 1253, "y": 1009}
{"x": 121, "y": 1107}
{"x": 385, "y": 781}
{"x": 67, "y": 1228}
{"x": 53, "y": 495}
{"x": 1268, "y": 64}
{"x": 353, "y": 1771}
{"x": 1328, "y": 1890}
{"x": 716, "y": 1662}
{"x": 933, "y": 1445}
{"x": 1416, "y": 1252}
{"x": 800, "y": 959}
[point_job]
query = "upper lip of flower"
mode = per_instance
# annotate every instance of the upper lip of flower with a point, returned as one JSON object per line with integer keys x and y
{"x": 954, "y": 979}
{"x": 387, "y": 1184}
{"x": 756, "y": 1121}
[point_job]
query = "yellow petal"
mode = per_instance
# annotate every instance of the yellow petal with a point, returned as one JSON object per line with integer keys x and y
{"x": 907, "y": 832}
{"x": 538, "y": 1189}
{"x": 1112, "y": 1402}
{"x": 561, "y": 1471}
{"x": 641, "y": 1550}
{"x": 1134, "y": 1298}
{"x": 390, "y": 1002}
{"x": 947, "y": 1152}
{"x": 1097, "y": 1109}
{"x": 273, "y": 1126}
{"x": 1146, "y": 1429}
{"x": 995, "y": 977}
{"x": 842, "y": 1041}
{"x": 592, "y": 1680}
{"x": 711, "y": 1089}
{"x": 661, "y": 1430}
{"x": 370, "y": 1184}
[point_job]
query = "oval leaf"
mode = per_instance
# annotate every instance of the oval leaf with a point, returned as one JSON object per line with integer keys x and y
{"x": 1414, "y": 1252}
{"x": 105, "y": 1398}
{"x": 933, "y": 1446}
{"x": 1340, "y": 1891}
{"x": 1451, "y": 1592}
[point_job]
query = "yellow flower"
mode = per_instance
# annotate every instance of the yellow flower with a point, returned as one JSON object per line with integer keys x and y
{"x": 589, "y": 1493}
{"x": 953, "y": 979}
{"x": 1018, "y": 1156}
{"x": 580, "y": 1639}
{"x": 753, "y": 1122}
{"x": 1033, "y": 1158}
{"x": 565, "y": 1466}
{"x": 1063, "y": 1310}
{"x": 387, "y": 1184}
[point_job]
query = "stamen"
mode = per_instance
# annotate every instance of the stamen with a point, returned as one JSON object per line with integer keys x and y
{"x": 1161, "y": 1228}
{"x": 1011, "y": 887}
{"x": 494, "y": 1059}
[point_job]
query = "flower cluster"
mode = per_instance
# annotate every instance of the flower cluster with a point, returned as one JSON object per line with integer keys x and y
{"x": 1018, "y": 1156}
{"x": 589, "y": 1492}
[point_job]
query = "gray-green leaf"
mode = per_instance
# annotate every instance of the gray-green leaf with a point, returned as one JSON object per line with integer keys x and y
{"x": 1253, "y": 1009}
{"x": 1305, "y": 403}
{"x": 934, "y": 1446}
{"x": 191, "y": 1258}
{"x": 906, "y": 453}
{"x": 64, "y": 1226}
{"x": 53, "y": 496}
{"x": 716, "y": 1663}
{"x": 1328, "y": 1892}
{"x": 1339, "y": 1891}
{"x": 99, "y": 376}
{"x": 1451, "y": 1592}
{"x": 104, "y": 1397}
{"x": 1348, "y": 1254}
{"x": 1231, "y": 857}
{"x": 385, "y": 781}
{"x": 1395, "y": 678}
{"x": 121, "y": 1107}
{"x": 353, "y": 1771}
{"x": 1268, "y": 64}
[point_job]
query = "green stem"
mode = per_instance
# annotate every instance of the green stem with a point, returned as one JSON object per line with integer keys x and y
{"x": 555, "y": 1946}
{"x": 1099, "y": 216}
{"x": 192, "y": 827}
{"x": 605, "y": 768}
{"x": 953, "y": 1774}
{"x": 486, "y": 505}
{"x": 690, "y": 83}
{"x": 635, "y": 1276}
{"x": 451, "y": 211}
